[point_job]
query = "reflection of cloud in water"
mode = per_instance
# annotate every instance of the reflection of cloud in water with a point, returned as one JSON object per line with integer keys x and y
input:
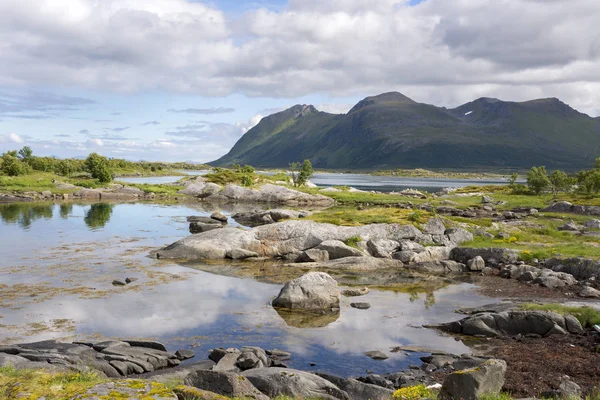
{"x": 206, "y": 303}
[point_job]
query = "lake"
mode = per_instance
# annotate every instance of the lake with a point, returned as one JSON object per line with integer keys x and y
{"x": 59, "y": 261}
{"x": 384, "y": 184}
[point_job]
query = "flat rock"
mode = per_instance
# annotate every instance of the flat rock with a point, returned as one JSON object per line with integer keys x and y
{"x": 376, "y": 355}
{"x": 224, "y": 383}
{"x": 360, "y": 306}
{"x": 353, "y": 292}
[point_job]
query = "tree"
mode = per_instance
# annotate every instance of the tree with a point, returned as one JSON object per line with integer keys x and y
{"x": 11, "y": 165}
{"x": 26, "y": 153}
{"x": 512, "y": 179}
{"x": 589, "y": 181}
{"x": 301, "y": 173}
{"x": 560, "y": 182}
{"x": 537, "y": 180}
{"x": 97, "y": 166}
{"x": 65, "y": 168}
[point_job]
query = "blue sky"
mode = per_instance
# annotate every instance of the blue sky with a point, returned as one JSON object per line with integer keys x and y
{"x": 180, "y": 80}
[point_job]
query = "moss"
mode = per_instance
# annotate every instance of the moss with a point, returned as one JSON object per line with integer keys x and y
{"x": 353, "y": 241}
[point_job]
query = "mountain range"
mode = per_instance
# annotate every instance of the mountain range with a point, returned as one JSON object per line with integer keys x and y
{"x": 391, "y": 131}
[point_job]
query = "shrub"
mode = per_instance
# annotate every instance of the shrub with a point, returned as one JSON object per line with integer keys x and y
{"x": 301, "y": 173}
{"x": 537, "y": 180}
{"x": 560, "y": 182}
{"x": 97, "y": 166}
{"x": 12, "y": 166}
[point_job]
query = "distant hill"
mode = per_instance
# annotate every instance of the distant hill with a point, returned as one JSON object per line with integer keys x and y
{"x": 391, "y": 131}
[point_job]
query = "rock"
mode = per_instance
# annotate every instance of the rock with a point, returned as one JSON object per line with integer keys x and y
{"x": 184, "y": 354}
{"x": 486, "y": 200}
{"x": 129, "y": 280}
{"x": 376, "y": 355}
{"x": 228, "y": 363}
{"x": 439, "y": 361}
{"x": 476, "y": 264}
{"x": 405, "y": 256}
{"x": 240, "y": 254}
{"x": 434, "y": 226}
{"x": 224, "y": 383}
{"x": 592, "y": 224}
{"x": 491, "y": 256}
{"x": 100, "y": 346}
{"x": 412, "y": 193}
{"x": 127, "y": 389}
{"x": 560, "y": 206}
{"x": 511, "y": 323}
{"x": 568, "y": 389}
{"x": 313, "y": 255}
{"x": 458, "y": 235}
{"x": 118, "y": 282}
{"x": 569, "y": 226}
{"x": 409, "y": 245}
{"x": 184, "y": 392}
{"x": 357, "y": 390}
{"x": 258, "y": 218}
{"x": 360, "y": 306}
{"x": 433, "y": 253}
{"x": 220, "y": 352}
{"x": 252, "y": 357}
{"x": 200, "y": 227}
{"x": 269, "y": 193}
{"x": 378, "y": 380}
{"x": 219, "y": 216}
{"x": 573, "y": 325}
{"x": 352, "y": 292}
{"x": 382, "y": 248}
{"x": 470, "y": 384}
{"x": 276, "y": 382}
{"x": 311, "y": 291}
{"x": 588, "y": 291}
{"x": 149, "y": 344}
{"x": 338, "y": 249}
{"x": 201, "y": 190}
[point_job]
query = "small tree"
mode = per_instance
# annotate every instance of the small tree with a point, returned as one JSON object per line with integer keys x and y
{"x": 26, "y": 153}
{"x": 589, "y": 181}
{"x": 301, "y": 173}
{"x": 97, "y": 166}
{"x": 512, "y": 179}
{"x": 537, "y": 180}
{"x": 597, "y": 163}
{"x": 65, "y": 168}
{"x": 560, "y": 182}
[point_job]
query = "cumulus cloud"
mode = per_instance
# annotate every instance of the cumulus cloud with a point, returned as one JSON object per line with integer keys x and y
{"x": 204, "y": 111}
{"x": 438, "y": 51}
{"x": 11, "y": 138}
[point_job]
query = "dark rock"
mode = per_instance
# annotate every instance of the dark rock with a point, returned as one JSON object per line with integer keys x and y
{"x": 376, "y": 355}
{"x": 358, "y": 390}
{"x": 184, "y": 354}
{"x": 360, "y": 306}
{"x": 224, "y": 383}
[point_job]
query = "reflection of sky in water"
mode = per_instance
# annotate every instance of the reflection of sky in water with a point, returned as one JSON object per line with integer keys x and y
{"x": 208, "y": 310}
{"x": 361, "y": 181}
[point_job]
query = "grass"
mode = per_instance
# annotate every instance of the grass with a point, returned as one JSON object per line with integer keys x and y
{"x": 158, "y": 189}
{"x": 587, "y": 316}
{"x": 353, "y": 241}
{"x": 39, "y": 383}
{"x": 350, "y": 216}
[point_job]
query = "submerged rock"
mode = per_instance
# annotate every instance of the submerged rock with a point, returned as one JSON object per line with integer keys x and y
{"x": 376, "y": 355}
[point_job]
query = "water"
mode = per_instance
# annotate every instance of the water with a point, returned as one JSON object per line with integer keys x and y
{"x": 384, "y": 184}
{"x": 59, "y": 260}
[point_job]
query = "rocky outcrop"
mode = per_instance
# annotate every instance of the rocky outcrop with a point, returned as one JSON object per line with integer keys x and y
{"x": 491, "y": 256}
{"x": 511, "y": 323}
{"x": 312, "y": 291}
{"x": 542, "y": 276}
{"x": 276, "y": 382}
{"x": 357, "y": 390}
{"x": 294, "y": 237}
{"x": 127, "y": 389}
{"x": 566, "y": 207}
{"x": 471, "y": 384}
{"x": 111, "y": 358}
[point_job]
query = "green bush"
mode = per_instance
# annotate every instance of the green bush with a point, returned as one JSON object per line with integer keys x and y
{"x": 97, "y": 166}
{"x": 537, "y": 180}
{"x": 12, "y": 166}
{"x": 301, "y": 173}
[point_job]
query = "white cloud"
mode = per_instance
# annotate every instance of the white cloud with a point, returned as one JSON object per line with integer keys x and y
{"x": 13, "y": 137}
{"x": 439, "y": 51}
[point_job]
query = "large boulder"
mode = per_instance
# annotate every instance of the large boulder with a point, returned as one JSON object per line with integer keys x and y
{"x": 433, "y": 253}
{"x": 269, "y": 193}
{"x": 276, "y": 382}
{"x": 382, "y": 248}
{"x": 434, "y": 226}
{"x": 559, "y": 206}
{"x": 311, "y": 291}
{"x": 471, "y": 384}
{"x": 225, "y": 383}
{"x": 491, "y": 256}
{"x": 211, "y": 245}
{"x": 458, "y": 235}
{"x": 201, "y": 189}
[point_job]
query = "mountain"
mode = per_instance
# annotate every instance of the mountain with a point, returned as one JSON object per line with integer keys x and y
{"x": 393, "y": 131}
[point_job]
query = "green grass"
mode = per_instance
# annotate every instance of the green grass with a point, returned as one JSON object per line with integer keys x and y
{"x": 353, "y": 241}
{"x": 587, "y": 316}
{"x": 350, "y": 216}
{"x": 158, "y": 189}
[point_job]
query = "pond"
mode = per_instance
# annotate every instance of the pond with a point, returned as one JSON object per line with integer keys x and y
{"x": 59, "y": 261}
{"x": 384, "y": 184}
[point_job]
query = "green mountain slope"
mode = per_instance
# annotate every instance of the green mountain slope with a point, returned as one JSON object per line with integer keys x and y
{"x": 393, "y": 131}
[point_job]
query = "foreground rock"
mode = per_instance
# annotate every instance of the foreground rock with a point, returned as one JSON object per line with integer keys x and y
{"x": 128, "y": 389}
{"x": 311, "y": 291}
{"x": 511, "y": 323}
{"x": 110, "y": 358}
{"x": 266, "y": 217}
{"x": 565, "y": 206}
{"x": 224, "y": 383}
{"x": 357, "y": 390}
{"x": 297, "y": 384}
{"x": 471, "y": 384}
{"x": 289, "y": 239}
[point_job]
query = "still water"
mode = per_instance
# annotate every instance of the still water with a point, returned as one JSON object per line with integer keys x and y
{"x": 384, "y": 184}
{"x": 59, "y": 261}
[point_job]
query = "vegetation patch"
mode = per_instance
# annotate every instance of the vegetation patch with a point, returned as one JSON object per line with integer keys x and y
{"x": 587, "y": 316}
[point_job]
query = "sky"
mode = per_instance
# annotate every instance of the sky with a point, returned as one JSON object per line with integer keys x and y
{"x": 183, "y": 80}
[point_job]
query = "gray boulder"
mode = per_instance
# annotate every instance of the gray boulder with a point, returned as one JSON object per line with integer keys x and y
{"x": 219, "y": 216}
{"x": 592, "y": 224}
{"x": 311, "y": 291}
{"x": 313, "y": 255}
{"x": 589, "y": 292}
{"x": 200, "y": 227}
{"x": 491, "y": 256}
{"x": 476, "y": 264}
{"x": 471, "y": 384}
{"x": 201, "y": 189}
{"x": 240, "y": 254}
{"x": 569, "y": 226}
{"x": 434, "y": 226}
{"x": 224, "y": 383}
{"x": 433, "y": 253}
{"x": 458, "y": 235}
{"x": 382, "y": 248}
{"x": 376, "y": 355}
{"x": 252, "y": 357}
{"x": 560, "y": 206}
{"x": 338, "y": 249}
{"x": 276, "y": 382}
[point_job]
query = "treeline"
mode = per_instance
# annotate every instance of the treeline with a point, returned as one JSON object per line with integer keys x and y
{"x": 540, "y": 181}
{"x": 23, "y": 162}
